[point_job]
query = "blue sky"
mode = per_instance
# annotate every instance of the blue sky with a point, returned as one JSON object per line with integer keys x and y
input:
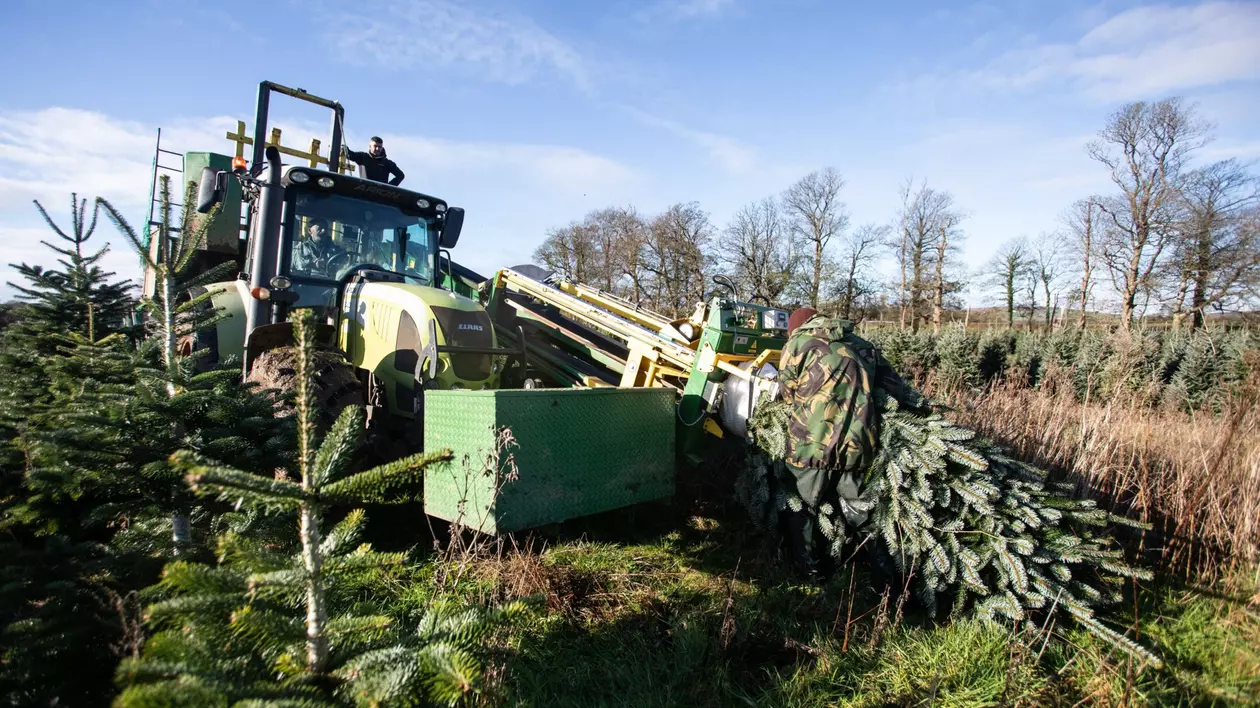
{"x": 530, "y": 113}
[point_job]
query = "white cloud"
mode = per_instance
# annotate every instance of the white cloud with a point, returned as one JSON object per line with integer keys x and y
{"x": 513, "y": 191}
{"x": 680, "y": 10}
{"x": 1141, "y": 52}
{"x": 440, "y": 35}
{"x": 49, "y": 154}
{"x": 555, "y": 168}
{"x": 731, "y": 154}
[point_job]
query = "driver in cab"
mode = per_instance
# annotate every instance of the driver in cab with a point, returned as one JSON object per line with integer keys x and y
{"x": 317, "y": 254}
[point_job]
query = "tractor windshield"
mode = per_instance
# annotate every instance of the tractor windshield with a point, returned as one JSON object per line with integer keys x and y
{"x": 331, "y": 235}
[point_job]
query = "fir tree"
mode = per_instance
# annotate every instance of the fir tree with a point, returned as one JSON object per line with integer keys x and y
{"x": 287, "y": 626}
{"x": 974, "y": 527}
{"x": 958, "y": 364}
{"x": 172, "y": 315}
{"x": 79, "y": 298}
{"x": 1092, "y": 350}
{"x": 1132, "y": 365}
{"x": 1024, "y": 365}
{"x": 1210, "y": 371}
{"x": 90, "y": 424}
{"x": 1061, "y": 348}
{"x": 1172, "y": 350}
{"x": 60, "y": 629}
{"x": 59, "y": 307}
{"x": 913, "y": 353}
{"x": 994, "y": 348}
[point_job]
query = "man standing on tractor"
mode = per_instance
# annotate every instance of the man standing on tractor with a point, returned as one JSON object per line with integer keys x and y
{"x": 827, "y": 376}
{"x": 376, "y": 166}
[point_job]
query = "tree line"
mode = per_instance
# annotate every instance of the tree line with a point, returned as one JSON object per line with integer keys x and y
{"x": 1175, "y": 236}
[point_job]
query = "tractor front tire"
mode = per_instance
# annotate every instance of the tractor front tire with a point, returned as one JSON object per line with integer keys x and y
{"x": 336, "y": 385}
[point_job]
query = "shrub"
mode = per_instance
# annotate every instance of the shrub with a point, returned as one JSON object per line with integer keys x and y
{"x": 958, "y": 363}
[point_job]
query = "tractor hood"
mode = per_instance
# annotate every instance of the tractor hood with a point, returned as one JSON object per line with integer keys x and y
{"x": 388, "y": 326}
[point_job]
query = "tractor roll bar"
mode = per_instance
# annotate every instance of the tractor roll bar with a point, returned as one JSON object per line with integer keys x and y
{"x": 265, "y": 89}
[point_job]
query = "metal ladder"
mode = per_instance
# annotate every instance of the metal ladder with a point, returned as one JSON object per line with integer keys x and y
{"x": 155, "y": 199}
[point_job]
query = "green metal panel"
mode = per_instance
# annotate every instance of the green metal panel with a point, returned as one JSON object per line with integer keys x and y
{"x": 225, "y": 234}
{"x": 578, "y": 452}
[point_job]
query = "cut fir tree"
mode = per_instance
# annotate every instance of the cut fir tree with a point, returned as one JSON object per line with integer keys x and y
{"x": 972, "y": 526}
{"x": 306, "y": 621}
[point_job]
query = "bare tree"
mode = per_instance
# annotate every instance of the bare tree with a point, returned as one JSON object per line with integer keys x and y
{"x": 1218, "y": 254}
{"x": 946, "y": 249}
{"x": 816, "y": 216}
{"x": 860, "y": 251}
{"x": 900, "y": 248}
{"x": 570, "y": 250}
{"x": 1029, "y": 291}
{"x": 624, "y": 234}
{"x": 1047, "y": 267}
{"x": 1083, "y": 223}
{"x": 928, "y": 221}
{"x": 618, "y": 234}
{"x": 677, "y": 257}
{"x": 759, "y": 253}
{"x": 605, "y": 249}
{"x": 1008, "y": 271}
{"x": 1144, "y": 145}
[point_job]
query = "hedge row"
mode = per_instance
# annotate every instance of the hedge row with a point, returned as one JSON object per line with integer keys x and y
{"x": 1176, "y": 369}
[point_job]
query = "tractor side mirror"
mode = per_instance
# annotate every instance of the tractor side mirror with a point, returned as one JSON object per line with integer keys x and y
{"x": 452, "y": 225}
{"x": 211, "y": 190}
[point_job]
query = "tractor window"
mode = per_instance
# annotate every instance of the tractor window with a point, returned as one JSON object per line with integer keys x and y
{"x": 421, "y": 247}
{"x": 333, "y": 234}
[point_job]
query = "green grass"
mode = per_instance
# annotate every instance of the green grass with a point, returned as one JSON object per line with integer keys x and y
{"x": 695, "y": 612}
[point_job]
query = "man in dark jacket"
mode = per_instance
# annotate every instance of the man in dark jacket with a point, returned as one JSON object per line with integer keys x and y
{"x": 376, "y": 166}
{"x": 317, "y": 254}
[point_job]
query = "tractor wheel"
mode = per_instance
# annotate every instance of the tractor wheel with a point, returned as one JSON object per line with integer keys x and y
{"x": 336, "y": 385}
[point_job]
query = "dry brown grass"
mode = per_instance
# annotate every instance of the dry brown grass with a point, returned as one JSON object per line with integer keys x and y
{"x": 1195, "y": 477}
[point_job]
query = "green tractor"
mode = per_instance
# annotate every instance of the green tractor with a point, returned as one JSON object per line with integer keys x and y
{"x": 578, "y": 397}
{"x": 370, "y": 260}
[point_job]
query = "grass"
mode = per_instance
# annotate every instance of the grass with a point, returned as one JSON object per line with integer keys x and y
{"x": 694, "y": 611}
{"x": 687, "y": 606}
{"x": 1194, "y": 476}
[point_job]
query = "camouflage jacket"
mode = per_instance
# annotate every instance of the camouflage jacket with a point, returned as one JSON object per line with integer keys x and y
{"x": 827, "y": 375}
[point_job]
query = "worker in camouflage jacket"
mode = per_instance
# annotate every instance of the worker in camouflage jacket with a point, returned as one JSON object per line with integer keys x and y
{"x": 827, "y": 376}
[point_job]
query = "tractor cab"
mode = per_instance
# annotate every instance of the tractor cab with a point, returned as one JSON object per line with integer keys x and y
{"x": 365, "y": 256}
{"x": 336, "y": 227}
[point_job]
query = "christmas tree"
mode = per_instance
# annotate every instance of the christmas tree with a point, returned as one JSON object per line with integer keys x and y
{"x": 973, "y": 527}
{"x": 289, "y": 623}
{"x": 60, "y": 592}
{"x": 92, "y": 506}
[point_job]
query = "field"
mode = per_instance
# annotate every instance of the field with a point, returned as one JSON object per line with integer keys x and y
{"x": 169, "y": 540}
{"x": 693, "y": 608}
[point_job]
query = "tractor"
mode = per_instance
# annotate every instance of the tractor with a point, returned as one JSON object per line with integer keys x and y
{"x": 369, "y": 259}
{"x": 597, "y": 394}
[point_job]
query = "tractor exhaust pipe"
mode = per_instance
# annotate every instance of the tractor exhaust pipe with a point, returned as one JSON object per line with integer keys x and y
{"x": 267, "y": 244}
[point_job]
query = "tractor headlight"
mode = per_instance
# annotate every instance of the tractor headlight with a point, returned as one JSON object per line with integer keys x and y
{"x": 299, "y": 177}
{"x": 325, "y": 182}
{"x": 439, "y": 208}
{"x": 422, "y": 203}
{"x": 280, "y": 283}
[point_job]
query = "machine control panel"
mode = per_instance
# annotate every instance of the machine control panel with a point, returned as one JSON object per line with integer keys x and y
{"x": 774, "y": 320}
